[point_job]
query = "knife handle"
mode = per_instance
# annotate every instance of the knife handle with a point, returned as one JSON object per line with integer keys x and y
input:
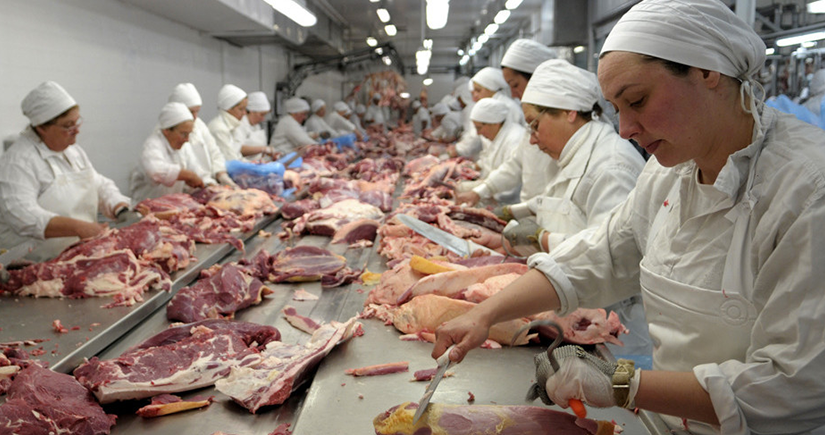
{"x": 578, "y": 408}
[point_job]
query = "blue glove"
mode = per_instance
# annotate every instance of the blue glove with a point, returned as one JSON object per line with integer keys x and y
{"x": 345, "y": 141}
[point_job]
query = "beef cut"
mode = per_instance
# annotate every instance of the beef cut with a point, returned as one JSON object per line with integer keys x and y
{"x": 166, "y": 206}
{"x": 306, "y": 263}
{"x": 327, "y": 221}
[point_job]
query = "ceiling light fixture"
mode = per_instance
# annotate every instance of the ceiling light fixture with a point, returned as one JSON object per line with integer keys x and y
{"x": 404, "y": 95}
{"x": 460, "y": 52}
{"x": 383, "y": 15}
{"x": 428, "y": 44}
{"x": 294, "y": 11}
{"x": 794, "y": 40}
{"x": 477, "y": 45}
{"x": 437, "y": 13}
{"x": 817, "y": 7}
{"x": 578, "y": 49}
{"x": 503, "y": 15}
{"x": 512, "y": 4}
{"x": 464, "y": 60}
{"x": 379, "y": 50}
{"x": 491, "y": 29}
{"x": 482, "y": 39}
{"x": 428, "y": 81}
{"x": 374, "y": 1}
{"x": 372, "y": 42}
{"x": 387, "y": 60}
{"x": 770, "y": 51}
{"x": 390, "y": 29}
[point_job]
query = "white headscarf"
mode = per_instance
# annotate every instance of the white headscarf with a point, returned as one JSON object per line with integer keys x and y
{"x": 360, "y": 108}
{"x": 376, "y": 96}
{"x": 296, "y": 105}
{"x": 558, "y": 84}
{"x": 490, "y": 111}
{"x": 229, "y": 96}
{"x": 491, "y": 78}
{"x": 341, "y": 106}
{"x": 416, "y": 104}
{"x": 440, "y": 109}
{"x": 46, "y": 102}
{"x": 526, "y": 55}
{"x": 173, "y": 114}
{"x": 460, "y": 83}
{"x": 317, "y": 105}
{"x": 187, "y": 94}
{"x": 258, "y": 102}
{"x": 465, "y": 94}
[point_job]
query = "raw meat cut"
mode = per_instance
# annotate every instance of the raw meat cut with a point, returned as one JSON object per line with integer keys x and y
{"x": 393, "y": 284}
{"x": 166, "y": 404}
{"x": 292, "y": 210}
{"x": 452, "y": 283}
{"x": 301, "y": 322}
{"x": 379, "y": 369}
{"x": 355, "y": 231}
{"x": 251, "y": 333}
{"x": 211, "y": 225}
{"x": 482, "y": 290}
{"x": 308, "y": 263}
{"x": 585, "y": 326}
{"x": 478, "y": 216}
{"x": 244, "y": 202}
{"x": 41, "y": 401}
{"x": 166, "y": 206}
{"x": 302, "y": 295}
{"x": 446, "y": 419}
{"x": 327, "y": 221}
{"x": 428, "y": 312}
{"x": 191, "y": 362}
{"x": 284, "y": 367}
{"x": 221, "y": 291}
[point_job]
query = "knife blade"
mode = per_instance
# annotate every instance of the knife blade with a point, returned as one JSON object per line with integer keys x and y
{"x": 455, "y": 244}
{"x": 444, "y": 363}
{"x": 16, "y": 253}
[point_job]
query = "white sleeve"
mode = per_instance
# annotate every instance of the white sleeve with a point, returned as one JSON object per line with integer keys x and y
{"x": 156, "y": 164}
{"x": 505, "y": 178}
{"x": 19, "y": 208}
{"x": 297, "y": 136}
{"x": 218, "y": 160}
{"x": 470, "y": 144}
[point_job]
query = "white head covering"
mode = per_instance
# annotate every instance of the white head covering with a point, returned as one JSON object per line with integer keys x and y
{"x": 229, "y": 96}
{"x": 560, "y": 85}
{"x": 376, "y": 96}
{"x": 465, "y": 93}
{"x": 360, "y": 108}
{"x": 258, "y": 102}
{"x": 187, "y": 94}
{"x": 526, "y": 55}
{"x": 440, "y": 109}
{"x": 453, "y": 103}
{"x": 45, "y": 102}
{"x": 317, "y": 105}
{"x": 490, "y": 111}
{"x": 296, "y": 105}
{"x": 491, "y": 78}
{"x": 173, "y": 114}
{"x": 817, "y": 85}
{"x": 416, "y": 104}
{"x": 459, "y": 84}
{"x": 341, "y": 106}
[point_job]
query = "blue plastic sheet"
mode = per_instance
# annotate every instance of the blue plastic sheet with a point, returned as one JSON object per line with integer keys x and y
{"x": 295, "y": 163}
{"x": 784, "y": 104}
{"x": 345, "y": 141}
{"x": 234, "y": 167}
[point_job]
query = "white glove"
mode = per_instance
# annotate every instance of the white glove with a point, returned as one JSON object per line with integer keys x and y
{"x": 579, "y": 378}
{"x": 226, "y": 180}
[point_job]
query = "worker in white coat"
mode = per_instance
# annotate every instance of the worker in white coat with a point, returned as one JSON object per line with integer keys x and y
{"x": 251, "y": 132}
{"x": 166, "y": 156}
{"x": 489, "y": 83}
{"x": 208, "y": 162}
{"x": 446, "y": 122}
{"x": 421, "y": 117}
{"x": 470, "y": 143}
{"x": 374, "y": 116}
{"x": 338, "y": 120}
{"x": 817, "y": 91}
{"x": 357, "y": 117}
{"x": 232, "y": 103}
{"x": 289, "y": 134}
{"x": 724, "y": 234}
{"x": 528, "y": 166}
{"x": 50, "y": 192}
{"x": 317, "y": 123}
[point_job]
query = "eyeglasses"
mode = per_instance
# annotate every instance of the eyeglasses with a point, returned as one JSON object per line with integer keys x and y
{"x": 534, "y": 125}
{"x": 74, "y": 126}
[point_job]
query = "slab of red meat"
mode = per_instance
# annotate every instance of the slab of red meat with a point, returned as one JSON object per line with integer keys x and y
{"x": 309, "y": 263}
{"x": 357, "y": 230}
{"x": 478, "y": 216}
{"x": 249, "y": 332}
{"x": 41, "y": 401}
{"x": 243, "y": 202}
{"x": 295, "y": 209}
{"x": 284, "y": 368}
{"x": 167, "y": 205}
{"x": 189, "y": 363}
{"x": 223, "y": 291}
{"x": 326, "y": 221}
{"x": 485, "y": 420}
{"x": 211, "y": 225}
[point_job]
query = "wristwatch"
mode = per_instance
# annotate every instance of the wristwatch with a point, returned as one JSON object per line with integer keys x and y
{"x": 625, "y": 369}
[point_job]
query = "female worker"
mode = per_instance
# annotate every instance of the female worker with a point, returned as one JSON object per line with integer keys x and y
{"x": 50, "y": 191}
{"x": 289, "y": 134}
{"x": 489, "y": 83}
{"x": 724, "y": 232}
{"x": 317, "y": 122}
{"x": 232, "y": 103}
{"x": 251, "y": 132}
{"x": 165, "y": 160}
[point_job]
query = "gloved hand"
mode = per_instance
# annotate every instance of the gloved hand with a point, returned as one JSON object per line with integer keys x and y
{"x": 523, "y": 236}
{"x": 226, "y": 180}
{"x": 128, "y": 216}
{"x": 515, "y": 211}
{"x": 586, "y": 377}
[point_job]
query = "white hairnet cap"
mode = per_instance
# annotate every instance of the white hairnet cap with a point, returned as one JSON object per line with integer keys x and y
{"x": 296, "y": 105}
{"x": 465, "y": 93}
{"x": 558, "y": 84}
{"x": 440, "y": 109}
{"x": 416, "y": 104}
{"x": 46, "y": 102}
{"x": 258, "y": 102}
{"x": 376, "y": 96}
{"x": 173, "y": 114}
{"x": 229, "y": 96}
{"x": 460, "y": 83}
{"x": 490, "y": 111}
{"x": 360, "y": 108}
{"x": 317, "y": 105}
{"x": 453, "y": 103}
{"x": 817, "y": 85}
{"x": 491, "y": 78}
{"x": 526, "y": 55}
{"x": 700, "y": 33}
{"x": 340, "y": 106}
{"x": 187, "y": 94}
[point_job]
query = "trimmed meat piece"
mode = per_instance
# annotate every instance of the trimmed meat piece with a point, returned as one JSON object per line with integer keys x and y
{"x": 379, "y": 369}
{"x": 166, "y": 404}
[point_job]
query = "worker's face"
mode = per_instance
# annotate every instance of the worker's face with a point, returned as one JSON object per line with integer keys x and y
{"x": 490, "y": 131}
{"x": 550, "y": 132}
{"x": 195, "y": 110}
{"x": 322, "y": 112}
{"x": 179, "y": 134}
{"x": 255, "y": 118}
{"x": 300, "y": 117}
{"x": 61, "y": 133}
{"x": 515, "y": 80}
{"x": 659, "y": 110}
{"x": 480, "y": 92}
{"x": 239, "y": 110}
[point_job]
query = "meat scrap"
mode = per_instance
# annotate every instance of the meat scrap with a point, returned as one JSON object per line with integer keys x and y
{"x": 485, "y": 420}
{"x": 58, "y": 327}
{"x": 165, "y": 404}
{"x": 379, "y": 369}
{"x": 427, "y": 375}
{"x": 41, "y": 401}
{"x": 302, "y": 295}
{"x": 301, "y": 322}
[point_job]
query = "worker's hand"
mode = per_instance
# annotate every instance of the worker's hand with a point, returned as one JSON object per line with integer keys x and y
{"x": 324, "y": 135}
{"x": 523, "y": 236}
{"x": 467, "y": 332}
{"x": 469, "y": 198}
{"x": 87, "y": 230}
{"x": 589, "y": 379}
{"x": 190, "y": 178}
{"x": 503, "y": 212}
{"x": 226, "y": 180}
{"x": 129, "y": 216}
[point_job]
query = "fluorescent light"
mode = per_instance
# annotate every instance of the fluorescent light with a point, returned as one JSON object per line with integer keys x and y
{"x": 374, "y": 1}
{"x": 372, "y": 42}
{"x": 503, "y": 15}
{"x": 473, "y": 52}
{"x": 387, "y": 60}
{"x": 809, "y": 44}
{"x": 428, "y": 81}
{"x": 794, "y": 40}
{"x": 512, "y": 4}
{"x": 379, "y": 50}
{"x": 437, "y": 13}
{"x": 390, "y": 29}
{"x": 294, "y": 12}
{"x": 460, "y": 52}
{"x": 428, "y": 44}
{"x": 578, "y": 49}
{"x": 404, "y": 95}
{"x": 490, "y": 29}
{"x": 817, "y": 7}
{"x": 769, "y": 51}
{"x": 464, "y": 60}
{"x": 482, "y": 40}
{"x": 383, "y": 15}
{"x": 421, "y": 69}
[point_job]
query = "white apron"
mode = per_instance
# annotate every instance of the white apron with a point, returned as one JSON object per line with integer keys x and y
{"x": 699, "y": 325}
{"x": 560, "y": 214}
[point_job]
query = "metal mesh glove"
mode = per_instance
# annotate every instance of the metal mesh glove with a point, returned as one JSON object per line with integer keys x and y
{"x": 525, "y": 237}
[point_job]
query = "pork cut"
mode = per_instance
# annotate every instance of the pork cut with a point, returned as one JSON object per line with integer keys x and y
{"x": 188, "y": 363}
{"x": 356, "y": 231}
{"x": 244, "y": 202}
{"x": 292, "y": 210}
{"x": 41, "y": 401}
{"x": 446, "y": 419}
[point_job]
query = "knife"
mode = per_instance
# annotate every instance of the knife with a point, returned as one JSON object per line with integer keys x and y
{"x": 16, "y": 253}
{"x": 444, "y": 363}
{"x": 460, "y": 246}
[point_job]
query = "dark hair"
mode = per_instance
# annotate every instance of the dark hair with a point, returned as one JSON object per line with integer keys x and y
{"x": 678, "y": 69}
{"x": 596, "y": 110}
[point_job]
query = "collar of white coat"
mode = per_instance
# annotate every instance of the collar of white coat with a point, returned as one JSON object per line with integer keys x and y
{"x": 735, "y": 172}
{"x": 159, "y": 134}
{"x": 579, "y": 147}
{"x": 44, "y": 151}
{"x": 230, "y": 120}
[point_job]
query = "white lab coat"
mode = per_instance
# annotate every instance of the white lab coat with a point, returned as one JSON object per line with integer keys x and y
{"x": 207, "y": 158}
{"x": 246, "y": 134}
{"x": 317, "y": 124}
{"x": 528, "y": 166}
{"x": 814, "y": 103}
{"x": 422, "y": 115}
{"x": 450, "y": 127}
{"x": 356, "y": 121}
{"x": 766, "y": 378}
{"x": 501, "y": 148}
{"x": 160, "y": 165}
{"x": 222, "y": 128}
{"x": 470, "y": 144}
{"x": 26, "y": 174}
{"x": 289, "y": 135}
{"x": 340, "y": 124}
